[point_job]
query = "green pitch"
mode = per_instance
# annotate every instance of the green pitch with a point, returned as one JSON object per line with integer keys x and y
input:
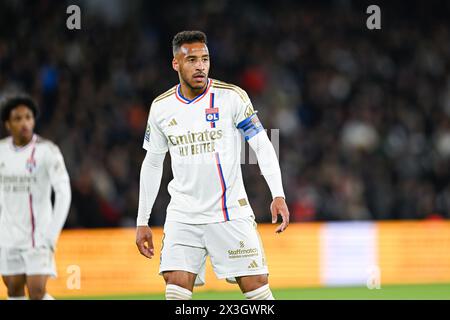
{"x": 391, "y": 292}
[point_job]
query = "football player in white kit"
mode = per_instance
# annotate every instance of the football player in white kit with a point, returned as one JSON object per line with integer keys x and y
{"x": 30, "y": 167}
{"x": 200, "y": 122}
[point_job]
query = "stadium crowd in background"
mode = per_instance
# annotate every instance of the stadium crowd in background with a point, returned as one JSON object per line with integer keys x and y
{"x": 364, "y": 116}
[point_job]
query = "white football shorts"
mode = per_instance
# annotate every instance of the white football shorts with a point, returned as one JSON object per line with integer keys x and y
{"x": 234, "y": 247}
{"x": 33, "y": 261}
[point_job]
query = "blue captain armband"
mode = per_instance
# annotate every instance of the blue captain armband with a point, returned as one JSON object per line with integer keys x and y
{"x": 250, "y": 127}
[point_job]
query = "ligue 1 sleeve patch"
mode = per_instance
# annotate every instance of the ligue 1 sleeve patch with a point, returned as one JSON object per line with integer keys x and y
{"x": 249, "y": 111}
{"x": 147, "y": 133}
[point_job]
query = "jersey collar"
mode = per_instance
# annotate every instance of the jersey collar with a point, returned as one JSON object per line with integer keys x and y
{"x": 18, "y": 149}
{"x": 185, "y": 100}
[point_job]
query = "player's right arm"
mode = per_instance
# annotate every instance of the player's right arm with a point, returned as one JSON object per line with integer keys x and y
{"x": 155, "y": 143}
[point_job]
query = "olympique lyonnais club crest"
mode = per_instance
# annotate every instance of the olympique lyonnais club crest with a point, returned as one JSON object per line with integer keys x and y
{"x": 212, "y": 114}
{"x": 31, "y": 165}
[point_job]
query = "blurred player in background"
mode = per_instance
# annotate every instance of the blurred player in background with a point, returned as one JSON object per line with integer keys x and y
{"x": 198, "y": 122}
{"x": 30, "y": 167}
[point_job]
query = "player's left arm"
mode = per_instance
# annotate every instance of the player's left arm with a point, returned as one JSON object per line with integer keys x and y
{"x": 254, "y": 133}
{"x": 59, "y": 179}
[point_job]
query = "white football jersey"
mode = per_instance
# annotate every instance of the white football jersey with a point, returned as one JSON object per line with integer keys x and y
{"x": 26, "y": 178}
{"x": 204, "y": 140}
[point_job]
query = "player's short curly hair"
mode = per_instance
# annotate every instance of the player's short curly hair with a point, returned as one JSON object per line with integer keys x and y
{"x": 187, "y": 37}
{"x": 9, "y": 103}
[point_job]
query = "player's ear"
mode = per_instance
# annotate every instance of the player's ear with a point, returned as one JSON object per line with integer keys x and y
{"x": 7, "y": 126}
{"x": 175, "y": 65}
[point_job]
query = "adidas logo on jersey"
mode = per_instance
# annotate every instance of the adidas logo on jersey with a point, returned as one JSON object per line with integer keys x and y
{"x": 173, "y": 122}
{"x": 253, "y": 265}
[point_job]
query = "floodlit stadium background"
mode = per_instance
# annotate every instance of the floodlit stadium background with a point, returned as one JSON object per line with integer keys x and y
{"x": 364, "y": 119}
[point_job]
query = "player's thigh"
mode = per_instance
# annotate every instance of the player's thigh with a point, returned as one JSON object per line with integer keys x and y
{"x": 15, "y": 285}
{"x": 183, "y": 254}
{"x": 235, "y": 249}
{"x": 36, "y": 285}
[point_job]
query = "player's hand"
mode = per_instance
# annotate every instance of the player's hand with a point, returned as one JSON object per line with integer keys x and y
{"x": 279, "y": 207}
{"x": 144, "y": 241}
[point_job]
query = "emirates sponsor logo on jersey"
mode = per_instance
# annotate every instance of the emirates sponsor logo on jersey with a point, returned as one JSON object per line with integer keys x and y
{"x": 195, "y": 137}
{"x": 17, "y": 184}
{"x": 194, "y": 143}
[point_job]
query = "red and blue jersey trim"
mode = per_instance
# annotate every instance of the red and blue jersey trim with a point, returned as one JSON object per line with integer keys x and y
{"x": 31, "y": 164}
{"x": 211, "y": 105}
{"x": 33, "y": 223}
{"x": 224, "y": 189}
{"x": 185, "y": 100}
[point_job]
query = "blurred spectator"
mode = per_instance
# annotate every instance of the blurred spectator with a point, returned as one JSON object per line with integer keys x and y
{"x": 364, "y": 116}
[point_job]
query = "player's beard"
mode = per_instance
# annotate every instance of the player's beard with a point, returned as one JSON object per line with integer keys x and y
{"x": 22, "y": 136}
{"x": 194, "y": 87}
